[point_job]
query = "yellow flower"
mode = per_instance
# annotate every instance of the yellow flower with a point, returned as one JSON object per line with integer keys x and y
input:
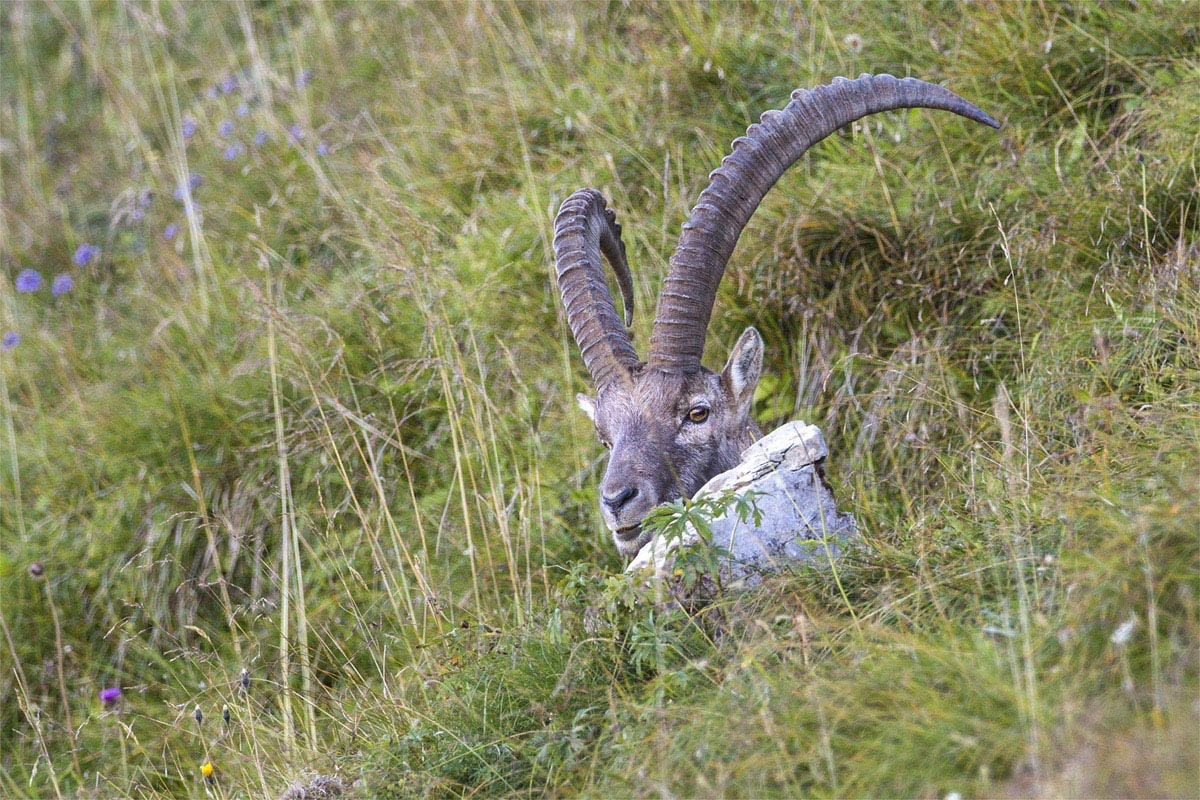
{"x": 207, "y": 769}
{"x": 678, "y": 572}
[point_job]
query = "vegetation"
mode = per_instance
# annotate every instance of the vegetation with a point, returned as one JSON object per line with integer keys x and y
{"x": 302, "y": 477}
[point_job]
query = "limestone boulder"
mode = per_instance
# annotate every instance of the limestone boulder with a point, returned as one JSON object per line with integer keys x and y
{"x": 775, "y": 511}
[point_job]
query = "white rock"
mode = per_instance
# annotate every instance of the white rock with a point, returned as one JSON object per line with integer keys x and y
{"x": 799, "y": 520}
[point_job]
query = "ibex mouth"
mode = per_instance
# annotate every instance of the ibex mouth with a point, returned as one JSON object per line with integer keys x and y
{"x": 630, "y": 539}
{"x": 628, "y": 533}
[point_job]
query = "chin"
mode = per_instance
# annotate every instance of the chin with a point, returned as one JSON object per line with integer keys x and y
{"x": 629, "y": 542}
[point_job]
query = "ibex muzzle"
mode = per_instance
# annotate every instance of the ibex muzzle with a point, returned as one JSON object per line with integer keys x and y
{"x": 670, "y": 423}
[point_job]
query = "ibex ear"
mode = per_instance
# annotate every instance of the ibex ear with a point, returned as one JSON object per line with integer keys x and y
{"x": 744, "y": 367}
{"x": 587, "y": 405}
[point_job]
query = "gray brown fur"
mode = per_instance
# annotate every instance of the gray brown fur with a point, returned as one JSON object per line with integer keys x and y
{"x": 657, "y": 451}
{"x": 642, "y": 409}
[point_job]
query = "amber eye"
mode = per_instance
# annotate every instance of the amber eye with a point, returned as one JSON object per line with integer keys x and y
{"x": 698, "y": 414}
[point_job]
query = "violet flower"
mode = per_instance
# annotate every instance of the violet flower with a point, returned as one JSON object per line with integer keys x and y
{"x": 28, "y": 280}
{"x": 61, "y": 284}
{"x": 84, "y": 254}
{"x": 185, "y": 189}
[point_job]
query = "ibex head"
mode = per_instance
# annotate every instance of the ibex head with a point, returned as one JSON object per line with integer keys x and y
{"x": 670, "y": 423}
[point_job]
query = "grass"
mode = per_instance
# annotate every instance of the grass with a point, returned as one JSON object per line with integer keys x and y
{"x": 307, "y": 482}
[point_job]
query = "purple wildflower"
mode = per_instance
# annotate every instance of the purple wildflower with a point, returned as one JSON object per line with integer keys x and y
{"x": 229, "y": 84}
{"x": 188, "y": 128}
{"x": 28, "y": 281}
{"x": 185, "y": 189}
{"x": 138, "y": 213}
{"x": 110, "y": 696}
{"x": 233, "y": 151}
{"x": 304, "y": 78}
{"x": 295, "y": 134}
{"x": 226, "y": 127}
{"x": 242, "y": 110}
{"x": 83, "y": 254}
{"x": 260, "y": 138}
{"x": 61, "y": 284}
{"x": 211, "y": 92}
{"x": 170, "y": 231}
{"x": 322, "y": 148}
{"x": 10, "y": 340}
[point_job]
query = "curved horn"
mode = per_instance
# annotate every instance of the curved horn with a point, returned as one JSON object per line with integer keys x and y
{"x": 737, "y": 187}
{"x": 583, "y": 229}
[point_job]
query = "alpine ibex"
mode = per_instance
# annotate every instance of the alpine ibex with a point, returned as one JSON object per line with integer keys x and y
{"x": 670, "y": 423}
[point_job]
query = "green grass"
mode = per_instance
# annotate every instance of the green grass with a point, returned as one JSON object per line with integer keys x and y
{"x": 316, "y": 461}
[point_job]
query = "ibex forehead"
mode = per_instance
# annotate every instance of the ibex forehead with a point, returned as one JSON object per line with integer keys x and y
{"x": 651, "y": 389}
{"x": 652, "y": 404}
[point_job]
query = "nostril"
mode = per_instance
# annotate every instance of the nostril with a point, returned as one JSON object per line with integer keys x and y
{"x": 618, "y": 499}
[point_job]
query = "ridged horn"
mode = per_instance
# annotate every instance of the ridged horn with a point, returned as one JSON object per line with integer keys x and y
{"x": 745, "y": 176}
{"x": 583, "y": 230}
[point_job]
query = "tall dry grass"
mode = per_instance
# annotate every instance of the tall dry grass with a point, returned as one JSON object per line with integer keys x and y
{"x": 305, "y": 480}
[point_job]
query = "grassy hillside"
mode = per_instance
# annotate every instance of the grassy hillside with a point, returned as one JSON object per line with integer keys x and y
{"x": 294, "y": 462}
